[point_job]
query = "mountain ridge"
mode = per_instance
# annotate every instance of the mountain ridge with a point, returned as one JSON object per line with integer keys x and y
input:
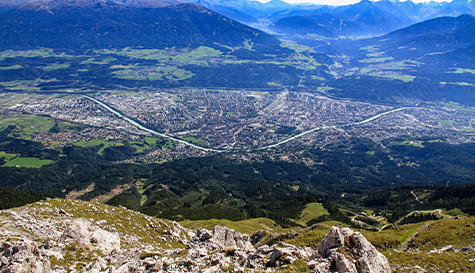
{"x": 105, "y": 24}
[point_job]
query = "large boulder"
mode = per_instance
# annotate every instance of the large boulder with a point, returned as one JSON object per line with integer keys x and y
{"x": 350, "y": 251}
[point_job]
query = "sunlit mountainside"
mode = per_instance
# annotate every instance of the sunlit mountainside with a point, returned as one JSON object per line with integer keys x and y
{"x": 302, "y": 138}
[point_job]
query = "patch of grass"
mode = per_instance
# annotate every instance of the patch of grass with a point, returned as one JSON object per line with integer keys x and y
{"x": 435, "y": 262}
{"x": 248, "y": 226}
{"x": 197, "y": 141}
{"x": 454, "y": 212}
{"x": 140, "y": 146}
{"x": 96, "y": 142}
{"x": 103, "y": 61}
{"x": 458, "y": 83}
{"x": 6, "y": 156}
{"x": 27, "y": 162}
{"x": 464, "y": 70}
{"x": 458, "y": 233}
{"x": 310, "y": 212}
{"x": 273, "y": 84}
{"x": 391, "y": 238}
{"x": 27, "y": 124}
{"x": 371, "y": 152}
{"x": 447, "y": 122}
{"x": 313, "y": 237}
{"x": 415, "y": 143}
{"x": 56, "y": 66}
{"x": 376, "y": 60}
{"x": 42, "y": 52}
{"x": 151, "y": 140}
{"x": 11, "y": 67}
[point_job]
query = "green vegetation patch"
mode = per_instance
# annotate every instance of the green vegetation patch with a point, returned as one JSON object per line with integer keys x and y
{"x": 140, "y": 146}
{"x": 415, "y": 143}
{"x": 401, "y": 77}
{"x": 96, "y": 142}
{"x": 11, "y": 67}
{"x": 464, "y": 70}
{"x": 28, "y": 162}
{"x": 434, "y": 262}
{"x": 103, "y": 61}
{"x": 458, "y": 83}
{"x": 150, "y": 140}
{"x": 310, "y": 212}
{"x": 6, "y": 156}
{"x": 56, "y": 66}
{"x": 27, "y": 124}
{"x": 42, "y": 52}
{"x": 458, "y": 233}
{"x": 197, "y": 141}
{"x": 376, "y": 60}
{"x": 447, "y": 122}
{"x": 157, "y": 73}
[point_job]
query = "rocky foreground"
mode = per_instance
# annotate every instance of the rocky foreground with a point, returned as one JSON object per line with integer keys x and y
{"x": 72, "y": 236}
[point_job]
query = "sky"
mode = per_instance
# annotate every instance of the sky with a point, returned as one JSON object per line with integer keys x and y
{"x": 339, "y": 2}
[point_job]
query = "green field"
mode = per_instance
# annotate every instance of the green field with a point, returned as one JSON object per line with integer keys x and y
{"x": 140, "y": 146}
{"x": 27, "y": 124}
{"x": 106, "y": 60}
{"x": 447, "y": 122}
{"x": 464, "y": 70}
{"x": 96, "y": 142}
{"x": 56, "y": 66}
{"x": 415, "y": 143}
{"x": 197, "y": 141}
{"x": 248, "y": 226}
{"x": 6, "y": 156}
{"x": 28, "y": 162}
{"x": 311, "y": 211}
{"x": 375, "y": 60}
{"x": 151, "y": 140}
{"x": 11, "y": 67}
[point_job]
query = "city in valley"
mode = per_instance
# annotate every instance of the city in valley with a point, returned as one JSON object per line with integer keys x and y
{"x": 194, "y": 122}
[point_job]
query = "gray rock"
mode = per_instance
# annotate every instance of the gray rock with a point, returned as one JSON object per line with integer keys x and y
{"x": 23, "y": 256}
{"x": 333, "y": 239}
{"x": 356, "y": 246}
{"x": 106, "y": 241}
{"x": 78, "y": 231}
{"x": 221, "y": 238}
{"x": 320, "y": 265}
{"x": 342, "y": 264}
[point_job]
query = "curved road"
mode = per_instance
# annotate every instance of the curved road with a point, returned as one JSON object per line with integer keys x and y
{"x": 140, "y": 126}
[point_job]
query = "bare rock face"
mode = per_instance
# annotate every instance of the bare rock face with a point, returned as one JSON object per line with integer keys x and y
{"x": 350, "y": 251}
{"x": 22, "y": 256}
{"x": 82, "y": 231}
{"x": 221, "y": 238}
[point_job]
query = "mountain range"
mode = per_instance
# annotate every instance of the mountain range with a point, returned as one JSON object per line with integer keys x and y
{"x": 112, "y": 24}
{"x": 365, "y": 17}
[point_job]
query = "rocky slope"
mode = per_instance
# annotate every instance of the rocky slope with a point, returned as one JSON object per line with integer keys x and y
{"x": 73, "y": 236}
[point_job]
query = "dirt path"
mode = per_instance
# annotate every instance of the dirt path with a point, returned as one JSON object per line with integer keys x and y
{"x": 407, "y": 244}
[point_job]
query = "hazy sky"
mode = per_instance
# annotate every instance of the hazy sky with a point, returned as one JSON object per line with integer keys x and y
{"x": 340, "y": 2}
